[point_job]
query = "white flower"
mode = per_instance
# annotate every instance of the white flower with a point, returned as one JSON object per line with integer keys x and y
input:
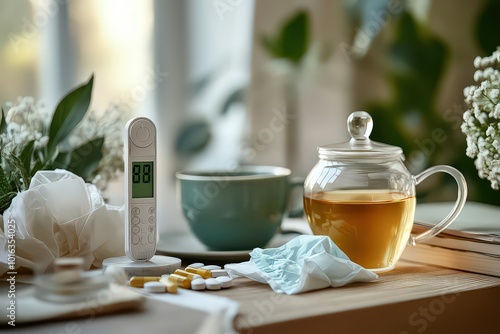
{"x": 481, "y": 123}
{"x": 478, "y": 75}
{"x": 494, "y": 93}
{"x": 477, "y": 62}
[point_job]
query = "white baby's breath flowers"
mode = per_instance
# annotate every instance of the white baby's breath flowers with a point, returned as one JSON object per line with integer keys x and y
{"x": 481, "y": 123}
{"x": 27, "y": 121}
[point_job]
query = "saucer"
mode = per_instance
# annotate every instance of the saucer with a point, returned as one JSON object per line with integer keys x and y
{"x": 184, "y": 245}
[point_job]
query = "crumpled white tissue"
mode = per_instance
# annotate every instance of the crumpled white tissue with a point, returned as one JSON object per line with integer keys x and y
{"x": 303, "y": 264}
{"x": 61, "y": 216}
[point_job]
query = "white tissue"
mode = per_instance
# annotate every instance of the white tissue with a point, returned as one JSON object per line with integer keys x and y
{"x": 303, "y": 264}
{"x": 61, "y": 216}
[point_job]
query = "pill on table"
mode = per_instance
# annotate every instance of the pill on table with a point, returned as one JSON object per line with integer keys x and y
{"x": 218, "y": 272}
{"x": 154, "y": 287}
{"x": 211, "y": 267}
{"x": 212, "y": 284}
{"x": 198, "y": 284}
{"x": 225, "y": 281}
{"x": 139, "y": 281}
{"x": 181, "y": 281}
{"x": 202, "y": 272}
{"x": 196, "y": 265}
{"x": 169, "y": 285}
{"x": 165, "y": 275}
{"x": 187, "y": 274}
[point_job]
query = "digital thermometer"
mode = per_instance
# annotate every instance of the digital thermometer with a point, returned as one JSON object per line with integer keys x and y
{"x": 140, "y": 188}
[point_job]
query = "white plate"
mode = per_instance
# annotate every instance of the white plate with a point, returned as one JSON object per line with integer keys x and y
{"x": 184, "y": 245}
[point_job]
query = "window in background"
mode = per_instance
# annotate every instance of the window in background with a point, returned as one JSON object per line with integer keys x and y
{"x": 19, "y": 51}
{"x": 48, "y": 47}
{"x": 113, "y": 40}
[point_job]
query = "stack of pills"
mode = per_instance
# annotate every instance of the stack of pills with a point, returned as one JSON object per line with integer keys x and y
{"x": 196, "y": 276}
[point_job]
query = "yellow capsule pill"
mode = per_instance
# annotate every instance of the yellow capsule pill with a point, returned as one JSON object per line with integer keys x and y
{"x": 202, "y": 272}
{"x": 181, "y": 281}
{"x": 169, "y": 285}
{"x": 187, "y": 274}
{"x": 138, "y": 281}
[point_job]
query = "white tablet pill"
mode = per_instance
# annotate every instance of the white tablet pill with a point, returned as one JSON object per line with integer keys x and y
{"x": 165, "y": 276}
{"x": 211, "y": 267}
{"x": 196, "y": 265}
{"x": 198, "y": 284}
{"x": 225, "y": 281}
{"x": 218, "y": 272}
{"x": 154, "y": 287}
{"x": 212, "y": 284}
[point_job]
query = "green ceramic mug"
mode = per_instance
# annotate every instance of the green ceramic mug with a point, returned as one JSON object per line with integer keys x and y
{"x": 235, "y": 210}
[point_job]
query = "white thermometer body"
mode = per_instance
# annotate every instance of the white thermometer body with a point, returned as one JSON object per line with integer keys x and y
{"x": 140, "y": 189}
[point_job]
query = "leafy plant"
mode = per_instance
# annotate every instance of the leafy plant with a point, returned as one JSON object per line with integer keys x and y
{"x": 416, "y": 63}
{"x": 20, "y": 161}
{"x": 292, "y": 40}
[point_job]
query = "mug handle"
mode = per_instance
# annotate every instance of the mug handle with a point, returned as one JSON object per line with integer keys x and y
{"x": 295, "y": 182}
{"x": 459, "y": 203}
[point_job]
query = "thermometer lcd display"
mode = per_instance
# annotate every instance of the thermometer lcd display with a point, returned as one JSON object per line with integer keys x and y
{"x": 142, "y": 179}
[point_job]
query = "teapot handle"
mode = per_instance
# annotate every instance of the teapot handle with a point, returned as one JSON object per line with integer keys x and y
{"x": 459, "y": 203}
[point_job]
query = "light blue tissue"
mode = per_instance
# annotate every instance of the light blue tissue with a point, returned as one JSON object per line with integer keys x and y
{"x": 307, "y": 263}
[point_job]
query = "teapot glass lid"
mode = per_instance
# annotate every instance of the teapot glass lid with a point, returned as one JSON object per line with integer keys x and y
{"x": 360, "y": 125}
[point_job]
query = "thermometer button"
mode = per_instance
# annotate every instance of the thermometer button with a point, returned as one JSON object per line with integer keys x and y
{"x": 135, "y": 211}
{"x": 135, "y": 239}
{"x": 135, "y": 220}
{"x": 142, "y": 133}
{"x": 136, "y": 229}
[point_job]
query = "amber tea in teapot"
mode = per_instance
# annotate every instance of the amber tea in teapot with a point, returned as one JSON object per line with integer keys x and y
{"x": 364, "y": 224}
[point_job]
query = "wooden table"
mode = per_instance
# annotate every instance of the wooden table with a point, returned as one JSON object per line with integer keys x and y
{"x": 410, "y": 299}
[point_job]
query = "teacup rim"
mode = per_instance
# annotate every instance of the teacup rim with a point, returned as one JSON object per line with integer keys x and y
{"x": 268, "y": 172}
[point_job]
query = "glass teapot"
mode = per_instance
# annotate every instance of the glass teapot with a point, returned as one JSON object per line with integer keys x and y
{"x": 363, "y": 197}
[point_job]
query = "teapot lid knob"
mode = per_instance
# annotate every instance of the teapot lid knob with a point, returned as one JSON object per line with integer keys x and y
{"x": 360, "y": 125}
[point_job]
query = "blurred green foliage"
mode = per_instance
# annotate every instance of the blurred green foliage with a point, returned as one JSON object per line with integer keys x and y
{"x": 417, "y": 60}
{"x": 488, "y": 26}
{"x": 292, "y": 40}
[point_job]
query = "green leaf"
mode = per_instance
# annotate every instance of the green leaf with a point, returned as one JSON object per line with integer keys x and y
{"x": 237, "y": 96}
{"x": 38, "y": 165}
{"x": 85, "y": 159}
{"x": 292, "y": 41}
{"x": 5, "y": 201}
{"x": 193, "y": 138}
{"x": 3, "y": 123}
{"x": 62, "y": 161}
{"x": 68, "y": 114}
{"x": 27, "y": 154}
{"x": 4, "y": 183}
{"x": 17, "y": 166}
{"x": 294, "y": 37}
{"x": 487, "y": 27}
